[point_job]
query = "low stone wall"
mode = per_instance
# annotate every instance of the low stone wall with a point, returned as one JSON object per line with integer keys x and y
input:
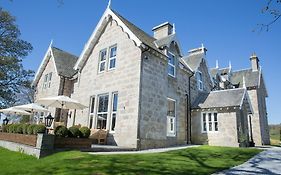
{"x": 72, "y": 143}
{"x": 42, "y": 145}
{"x": 19, "y": 138}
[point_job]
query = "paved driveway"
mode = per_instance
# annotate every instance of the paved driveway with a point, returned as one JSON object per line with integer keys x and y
{"x": 267, "y": 162}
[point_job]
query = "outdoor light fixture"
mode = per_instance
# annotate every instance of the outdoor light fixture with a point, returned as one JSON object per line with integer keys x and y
{"x": 49, "y": 120}
{"x": 5, "y": 121}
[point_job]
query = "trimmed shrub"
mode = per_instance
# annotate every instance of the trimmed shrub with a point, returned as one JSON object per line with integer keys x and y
{"x": 18, "y": 128}
{"x": 85, "y": 132}
{"x": 30, "y": 129}
{"x": 5, "y": 128}
{"x": 61, "y": 131}
{"x": 12, "y": 128}
{"x": 39, "y": 129}
{"x": 24, "y": 128}
{"x": 73, "y": 132}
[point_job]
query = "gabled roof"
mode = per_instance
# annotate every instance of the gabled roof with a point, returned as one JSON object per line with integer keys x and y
{"x": 134, "y": 33}
{"x": 63, "y": 63}
{"x": 166, "y": 41}
{"x": 221, "y": 98}
{"x": 193, "y": 60}
{"x": 251, "y": 77}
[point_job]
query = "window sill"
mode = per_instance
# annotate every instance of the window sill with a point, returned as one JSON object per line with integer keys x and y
{"x": 171, "y": 135}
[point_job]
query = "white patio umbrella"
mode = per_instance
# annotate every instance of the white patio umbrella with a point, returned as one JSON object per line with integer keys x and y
{"x": 13, "y": 110}
{"x": 33, "y": 107}
{"x": 62, "y": 102}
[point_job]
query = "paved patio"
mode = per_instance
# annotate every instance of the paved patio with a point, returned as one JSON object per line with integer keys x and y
{"x": 267, "y": 162}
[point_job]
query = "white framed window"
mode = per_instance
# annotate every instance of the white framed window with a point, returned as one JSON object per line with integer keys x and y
{"x": 102, "y": 112}
{"x": 114, "y": 111}
{"x": 102, "y": 60}
{"x": 92, "y": 111}
{"x": 112, "y": 57}
{"x": 209, "y": 122}
{"x": 50, "y": 79}
{"x": 171, "y": 117}
{"x": 171, "y": 64}
{"x": 199, "y": 80}
{"x": 45, "y": 82}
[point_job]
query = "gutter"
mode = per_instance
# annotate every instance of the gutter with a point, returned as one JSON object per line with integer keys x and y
{"x": 188, "y": 117}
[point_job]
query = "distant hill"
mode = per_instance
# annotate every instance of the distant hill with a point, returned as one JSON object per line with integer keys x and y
{"x": 274, "y": 134}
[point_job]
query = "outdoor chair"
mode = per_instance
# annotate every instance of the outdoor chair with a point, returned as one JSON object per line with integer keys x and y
{"x": 100, "y": 135}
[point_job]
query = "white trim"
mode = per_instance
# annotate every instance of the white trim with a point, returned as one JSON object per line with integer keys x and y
{"x": 97, "y": 32}
{"x": 208, "y": 121}
{"x": 111, "y": 58}
{"x": 241, "y": 103}
{"x": 113, "y": 112}
{"x": 174, "y": 66}
{"x": 199, "y": 81}
{"x": 174, "y": 132}
{"x": 103, "y": 61}
{"x": 53, "y": 58}
{"x": 43, "y": 64}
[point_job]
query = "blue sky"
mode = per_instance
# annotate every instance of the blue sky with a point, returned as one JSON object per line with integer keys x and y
{"x": 224, "y": 27}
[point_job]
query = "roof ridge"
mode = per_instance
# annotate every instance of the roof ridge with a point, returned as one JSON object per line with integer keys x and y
{"x": 240, "y": 70}
{"x": 224, "y": 90}
{"x": 64, "y": 51}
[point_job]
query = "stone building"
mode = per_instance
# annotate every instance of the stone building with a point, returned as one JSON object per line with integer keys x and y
{"x": 145, "y": 92}
{"x": 54, "y": 77}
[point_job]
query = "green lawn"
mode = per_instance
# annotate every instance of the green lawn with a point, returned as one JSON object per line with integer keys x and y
{"x": 274, "y": 134}
{"x": 200, "y": 160}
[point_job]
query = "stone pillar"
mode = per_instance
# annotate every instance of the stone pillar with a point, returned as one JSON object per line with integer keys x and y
{"x": 45, "y": 143}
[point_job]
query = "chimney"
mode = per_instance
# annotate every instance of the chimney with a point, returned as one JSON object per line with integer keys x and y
{"x": 163, "y": 30}
{"x": 255, "y": 62}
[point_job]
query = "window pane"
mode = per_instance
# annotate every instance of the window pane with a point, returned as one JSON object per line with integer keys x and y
{"x": 210, "y": 126}
{"x": 50, "y": 76}
{"x": 204, "y": 117}
{"x": 115, "y": 99}
{"x": 101, "y": 123}
{"x": 103, "y": 103}
{"x": 172, "y": 125}
{"x": 113, "y": 122}
{"x": 171, "y": 70}
{"x": 216, "y": 126}
{"x": 113, "y": 51}
{"x": 112, "y": 63}
{"x": 204, "y": 126}
{"x": 91, "y": 121}
{"x": 46, "y": 78}
{"x": 92, "y": 105}
{"x": 102, "y": 66}
{"x": 103, "y": 55}
{"x": 210, "y": 117}
{"x": 171, "y": 59}
{"x": 215, "y": 117}
{"x": 171, "y": 108}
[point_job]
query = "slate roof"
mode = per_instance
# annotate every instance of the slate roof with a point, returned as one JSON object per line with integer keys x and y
{"x": 251, "y": 78}
{"x": 224, "y": 71}
{"x": 194, "y": 60}
{"x": 140, "y": 34}
{"x": 213, "y": 72}
{"x": 64, "y": 62}
{"x": 222, "y": 98}
{"x": 165, "y": 41}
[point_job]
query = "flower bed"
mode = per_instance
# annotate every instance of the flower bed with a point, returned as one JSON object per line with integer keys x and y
{"x": 19, "y": 138}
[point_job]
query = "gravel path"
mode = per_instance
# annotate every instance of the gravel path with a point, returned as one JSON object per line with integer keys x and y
{"x": 267, "y": 162}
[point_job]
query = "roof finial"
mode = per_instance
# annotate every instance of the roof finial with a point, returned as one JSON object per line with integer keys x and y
{"x": 217, "y": 64}
{"x": 51, "y": 43}
{"x": 229, "y": 64}
{"x": 174, "y": 28}
{"x": 244, "y": 82}
{"x": 109, "y": 4}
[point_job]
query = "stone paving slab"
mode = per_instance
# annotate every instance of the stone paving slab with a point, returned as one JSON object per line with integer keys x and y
{"x": 267, "y": 162}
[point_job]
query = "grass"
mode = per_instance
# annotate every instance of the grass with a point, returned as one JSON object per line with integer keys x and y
{"x": 200, "y": 160}
{"x": 274, "y": 135}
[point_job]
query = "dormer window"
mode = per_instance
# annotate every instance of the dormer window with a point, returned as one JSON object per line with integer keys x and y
{"x": 199, "y": 80}
{"x": 171, "y": 64}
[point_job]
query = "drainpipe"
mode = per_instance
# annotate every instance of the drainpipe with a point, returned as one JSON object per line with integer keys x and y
{"x": 188, "y": 102}
{"x": 61, "y": 93}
